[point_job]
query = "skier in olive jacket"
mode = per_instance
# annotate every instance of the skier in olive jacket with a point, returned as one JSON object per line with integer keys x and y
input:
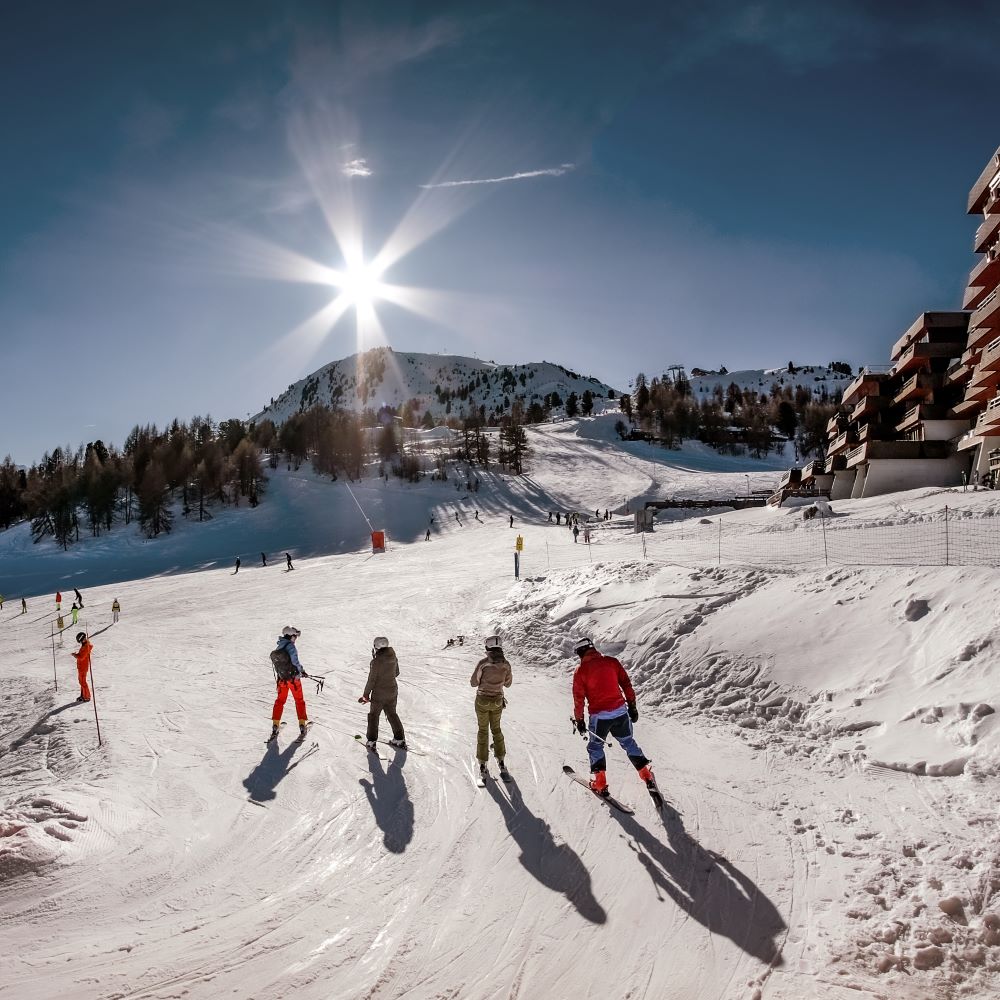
{"x": 491, "y": 676}
{"x": 381, "y": 692}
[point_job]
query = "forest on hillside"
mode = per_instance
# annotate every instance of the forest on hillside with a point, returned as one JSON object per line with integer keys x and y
{"x": 730, "y": 419}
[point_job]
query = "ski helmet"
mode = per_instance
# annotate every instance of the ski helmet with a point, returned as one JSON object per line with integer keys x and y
{"x": 81, "y": 636}
{"x": 380, "y": 642}
{"x": 581, "y": 645}
{"x": 291, "y": 631}
{"x": 493, "y": 642}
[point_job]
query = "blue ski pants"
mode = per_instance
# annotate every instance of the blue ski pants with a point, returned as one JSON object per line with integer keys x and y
{"x": 620, "y": 727}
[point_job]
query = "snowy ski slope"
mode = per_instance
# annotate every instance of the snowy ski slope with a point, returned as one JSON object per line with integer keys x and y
{"x": 185, "y": 858}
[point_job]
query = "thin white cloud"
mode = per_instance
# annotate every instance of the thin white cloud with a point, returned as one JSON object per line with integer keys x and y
{"x": 357, "y": 167}
{"x": 563, "y": 168}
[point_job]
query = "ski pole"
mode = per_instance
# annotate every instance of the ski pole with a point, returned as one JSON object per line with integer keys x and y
{"x": 586, "y": 736}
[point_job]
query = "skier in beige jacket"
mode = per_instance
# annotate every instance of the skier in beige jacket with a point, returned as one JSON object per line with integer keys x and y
{"x": 491, "y": 676}
{"x": 381, "y": 692}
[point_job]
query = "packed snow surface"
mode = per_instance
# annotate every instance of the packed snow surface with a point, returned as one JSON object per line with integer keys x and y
{"x": 825, "y": 736}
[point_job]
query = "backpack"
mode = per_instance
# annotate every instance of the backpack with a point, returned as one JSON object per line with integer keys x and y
{"x": 282, "y": 664}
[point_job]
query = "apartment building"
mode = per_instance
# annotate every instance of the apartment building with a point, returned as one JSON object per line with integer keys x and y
{"x": 978, "y": 370}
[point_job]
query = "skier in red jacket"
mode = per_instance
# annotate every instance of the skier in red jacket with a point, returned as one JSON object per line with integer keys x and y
{"x": 603, "y": 683}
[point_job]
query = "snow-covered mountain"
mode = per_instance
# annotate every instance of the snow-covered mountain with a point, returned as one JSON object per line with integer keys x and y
{"x": 816, "y": 378}
{"x": 441, "y": 384}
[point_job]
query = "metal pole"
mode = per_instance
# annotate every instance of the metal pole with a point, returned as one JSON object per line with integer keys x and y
{"x": 826, "y": 555}
{"x": 720, "y": 541}
{"x": 93, "y": 696}
{"x": 548, "y": 562}
{"x": 946, "y": 553}
{"x": 52, "y": 636}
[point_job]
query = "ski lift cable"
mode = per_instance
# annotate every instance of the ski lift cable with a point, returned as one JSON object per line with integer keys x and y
{"x": 355, "y": 499}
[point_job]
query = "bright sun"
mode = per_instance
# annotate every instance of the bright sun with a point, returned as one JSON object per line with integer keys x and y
{"x": 360, "y": 284}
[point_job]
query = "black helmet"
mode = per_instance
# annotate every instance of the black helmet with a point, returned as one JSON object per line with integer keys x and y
{"x": 81, "y": 636}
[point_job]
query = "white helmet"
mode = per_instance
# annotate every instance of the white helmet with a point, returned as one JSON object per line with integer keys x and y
{"x": 380, "y": 642}
{"x": 291, "y": 631}
{"x": 493, "y": 642}
{"x": 581, "y": 645}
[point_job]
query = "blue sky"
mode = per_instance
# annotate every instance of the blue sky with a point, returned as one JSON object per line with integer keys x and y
{"x": 704, "y": 183}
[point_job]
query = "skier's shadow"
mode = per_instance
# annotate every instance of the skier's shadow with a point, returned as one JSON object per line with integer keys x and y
{"x": 261, "y": 782}
{"x": 707, "y": 886}
{"x": 390, "y": 802}
{"x": 557, "y": 866}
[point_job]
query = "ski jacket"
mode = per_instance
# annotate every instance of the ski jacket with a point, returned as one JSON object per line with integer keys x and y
{"x": 83, "y": 656}
{"x": 285, "y": 643}
{"x": 492, "y": 674}
{"x": 382, "y": 673}
{"x": 602, "y": 681}
{"x": 58, "y": 597}
{"x": 116, "y": 606}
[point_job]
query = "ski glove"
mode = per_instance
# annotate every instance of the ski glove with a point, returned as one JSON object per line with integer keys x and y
{"x": 581, "y": 727}
{"x": 362, "y": 700}
{"x": 633, "y": 712}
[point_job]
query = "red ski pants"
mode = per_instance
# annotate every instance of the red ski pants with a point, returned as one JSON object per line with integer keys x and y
{"x": 295, "y": 686}
{"x": 81, "y": 674}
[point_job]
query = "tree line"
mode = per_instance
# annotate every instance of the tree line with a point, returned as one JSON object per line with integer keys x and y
{"x": 730, "y": 419}
{"x": 201, "y": 463}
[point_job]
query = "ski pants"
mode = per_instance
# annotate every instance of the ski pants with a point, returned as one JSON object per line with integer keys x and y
{"x": 81, "y": 676}
{"x": 375, "y": 710}
{"x": 488, "y": 712}
{"x": 620, "y": 727}
{"x": 295, "y": 686}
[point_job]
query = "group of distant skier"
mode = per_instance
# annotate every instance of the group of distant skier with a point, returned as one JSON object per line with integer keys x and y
{"x": 601, "y": 685}
{"x": 263, "y": 562}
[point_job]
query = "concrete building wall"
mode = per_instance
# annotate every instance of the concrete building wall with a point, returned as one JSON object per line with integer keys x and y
{"x": 982, "y": 455}
{"x": 944, "y": 430}
{"x": 891, "y": 474}
{"x": 843, "y": 483}
{"x": 857, "y": 490}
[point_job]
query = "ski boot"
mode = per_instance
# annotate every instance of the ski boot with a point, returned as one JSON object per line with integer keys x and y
{"x": 398, "y": 744}
{"x": 599, "y": 784}
{"x": 303, "y": 729}
{"x": 274, "y": 732}
{"x": 483, "y": 772}
{"x": 372, "y": 745}
{"x": 647, "y": 776}
{"x": 504, "y": 773}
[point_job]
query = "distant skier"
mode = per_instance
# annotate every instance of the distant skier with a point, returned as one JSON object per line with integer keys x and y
{"x": 79, "y": 597}
{"x": 550, "y": 517}
{"x": 602, "y": 682}
{"x": 576, "y": 533}
{"x": 76, "y": 612}
{"x": 24, "y": 606}
{"x": 381, "y": 692}
{"x": 558, "y": 517}
{"x": 288, "y": 674}
{"x": 116, "y": 610}
{"x": 83, "y": 664}
{"x": 1, "y": 602}
{"x": 263, "y": 559}
{"x": 491, "y": 676}
{"x": 288, "y": 562}
{"x": 58, "y": 601}
{"x": 512, "y": 520}
{"x": 60, "y": 624}
{"x": 427, "y": 537}
{"x": 477, "y": 517}
{"x": 235, "y": 571}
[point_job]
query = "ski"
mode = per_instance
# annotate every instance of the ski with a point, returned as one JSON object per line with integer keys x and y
{"x": 273, "y": 736}
{"x": 407, "y": 748}
{"x": 613, "y": 802}
{"x": 364, "y": 746}
{"x": 302, "y": 733}
{"x": 505, "y": 776}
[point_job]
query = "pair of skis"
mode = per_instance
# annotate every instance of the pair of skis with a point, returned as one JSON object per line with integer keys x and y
{"x": 298, "y": 739}
{"x": 654, "y": 793}
{"x": 361, "y": 740}
{"x": 505, "y": 776}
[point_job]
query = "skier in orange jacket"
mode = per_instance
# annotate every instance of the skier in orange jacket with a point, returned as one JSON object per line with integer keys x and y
{"x": 83, "y": 664}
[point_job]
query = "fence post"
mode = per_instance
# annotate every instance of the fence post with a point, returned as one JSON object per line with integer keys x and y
{"x": 826, "y": 554}
{"x": 946, "y": 553}
{"x": 52, "y": 636}
{"x": 93, "y": 698}
{"x": 720, "y": 541}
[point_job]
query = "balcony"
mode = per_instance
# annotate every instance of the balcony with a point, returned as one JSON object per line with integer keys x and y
{"x": 980, "y": 191}
{"x": 976, "y": 398}
{"x": 914, "y": 388}
{"x": 835, "y": 463}
{"x": 919, "y": 413}
{"x": 866, "y": 383}
{"x": 933, "y": 328}
{"x": 991, "y": 356}
{"x": 868, "y": 406}
{"x": 917, "y": 355}
{"x": 791, "y": 478}
{"x": 875, "y": 450}
{"x": 987, "y": 316}
{"x": 994, "y": 459}
{"x": 836, "y": 424}
{"x": 989, "y": 419}
{"x": 841, "y": 442}
{"x": 958, "y": 373}
{"x": 986, "y": 233}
